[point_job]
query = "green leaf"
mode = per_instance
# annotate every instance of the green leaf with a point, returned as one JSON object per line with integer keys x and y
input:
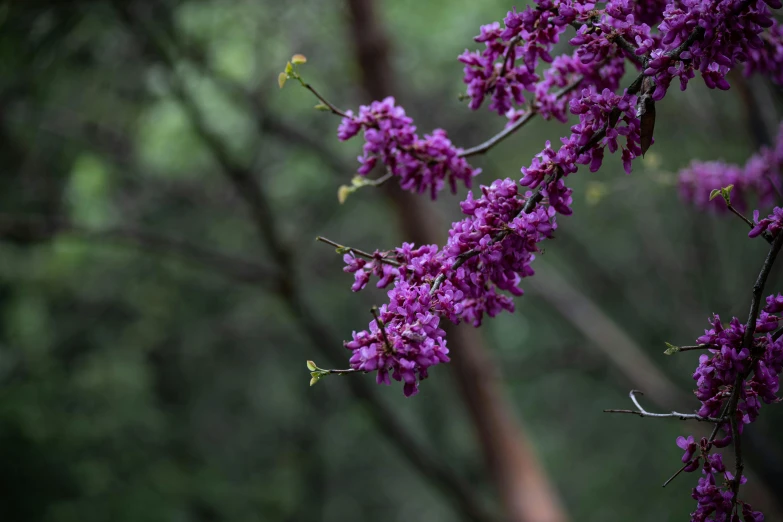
{"x": 343, "y": 192}
{"x": 714, "y": 193}
{"x": 281, "y": 78}
{"x": 322, "y": 107}
{"x": 671, "y": 349}
{"x": 311, "y": 366}
{"x": 726, "y": 191}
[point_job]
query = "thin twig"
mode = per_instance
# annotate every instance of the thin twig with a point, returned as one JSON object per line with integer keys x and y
{"x": 740, "y": 215}
{"x": 482, "y": 148}
{"x": 641, "y": 412}
{"x": 332, "y": 108}
{"x": 676, "y": 473}
{"x": 748, "y": 222}
{"x": 341, "y": 372}
{"x": 356, "y": 251}
{"x": 694, "y": 347}
{"x": 630, "y": 48}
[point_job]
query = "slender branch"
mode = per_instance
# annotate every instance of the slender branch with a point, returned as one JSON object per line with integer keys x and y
{"x": 676, "y": 473}
{"x": 740, "y": 215}
{"x": 694, "y": 347}
{"x": 380, "y": 181}
{"x": 748, "y": 222}
{"x": 512, "y": 45}
{"x": 482, "y": 148}
{"x": 340, "y": 372}
{"x": 630, "y": 48}
{"x": 332, "y": 108}
{"x": 747, "y": 342}
{"x": 758, "y": 290}
{"x": 641, "y": 412}
{"x": 356, "y": 251}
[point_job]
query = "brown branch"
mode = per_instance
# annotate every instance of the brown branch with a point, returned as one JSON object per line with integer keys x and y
{"x": 484, "y": 147}
{"x": 767, "y": 237}
{"x": 330, "y": 105}
{"x": 747, "y": 342}
{"x": 356, "y": 251}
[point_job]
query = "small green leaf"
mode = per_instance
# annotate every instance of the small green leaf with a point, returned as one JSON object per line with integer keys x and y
{"x": 714, "y": 193}
{"x": 298, "y": 58}
{"x": 726, "y": 191}
{"x": 322, "y": 107}
{"x": 343, "y": 192}
{"x": 289, "y": 68}
{"x": 281, "y": 78}
{"x": 314, "y": 380}
{"x": 311, "y": 366}
{"x": 671, "y": 349}
{"x": 343, "y": 250}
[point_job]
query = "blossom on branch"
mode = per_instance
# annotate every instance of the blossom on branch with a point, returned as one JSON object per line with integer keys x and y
{"x": 421, "y": 164}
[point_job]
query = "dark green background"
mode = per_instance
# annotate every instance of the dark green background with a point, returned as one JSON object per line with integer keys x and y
{"x": 137, "y": 385}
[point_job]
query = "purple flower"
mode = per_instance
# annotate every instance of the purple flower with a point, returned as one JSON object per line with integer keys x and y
{"x": 774, "y": 304}
{"x": 770, "y": 224}
{"x": 760, "y": 177}
{"x": 421, "y": 164}
{"x": 689, "y": 445}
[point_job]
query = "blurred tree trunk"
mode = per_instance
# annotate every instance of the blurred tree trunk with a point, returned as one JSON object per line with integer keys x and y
{"x": 524, "y": 487}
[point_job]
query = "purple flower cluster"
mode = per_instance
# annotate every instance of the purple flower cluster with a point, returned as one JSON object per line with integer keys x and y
{"x": 768, "y": 59}
{"x": 551, "y": 102}
{"x": 605, "y": 112}
{"x": 730, "y": 29}
{"x": 595, "y": 41}
{"x": 649, "y": 12}
{"x": 406, "y": 343}
{"x": 362, "y": 269}
{"x": 505, "y": 241}
{"x": 716, "y": 377}
{"x": 507, "y": 66}
{"x": 761, "y": 176}
{"x": 770, "y": 224}
{"x": 496, "y": 242}
{"x": 390, "y": 136}
{"x": 487, "y": 253}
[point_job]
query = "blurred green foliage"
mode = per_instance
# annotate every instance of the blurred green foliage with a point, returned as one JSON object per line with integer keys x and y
{"x": 138, "y": 386}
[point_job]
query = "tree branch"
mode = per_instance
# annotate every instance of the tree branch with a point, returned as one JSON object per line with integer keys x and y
{"x": 484, "y": 147}
{"x": 747, "y": 342}
{"x": 641, "y": 412}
